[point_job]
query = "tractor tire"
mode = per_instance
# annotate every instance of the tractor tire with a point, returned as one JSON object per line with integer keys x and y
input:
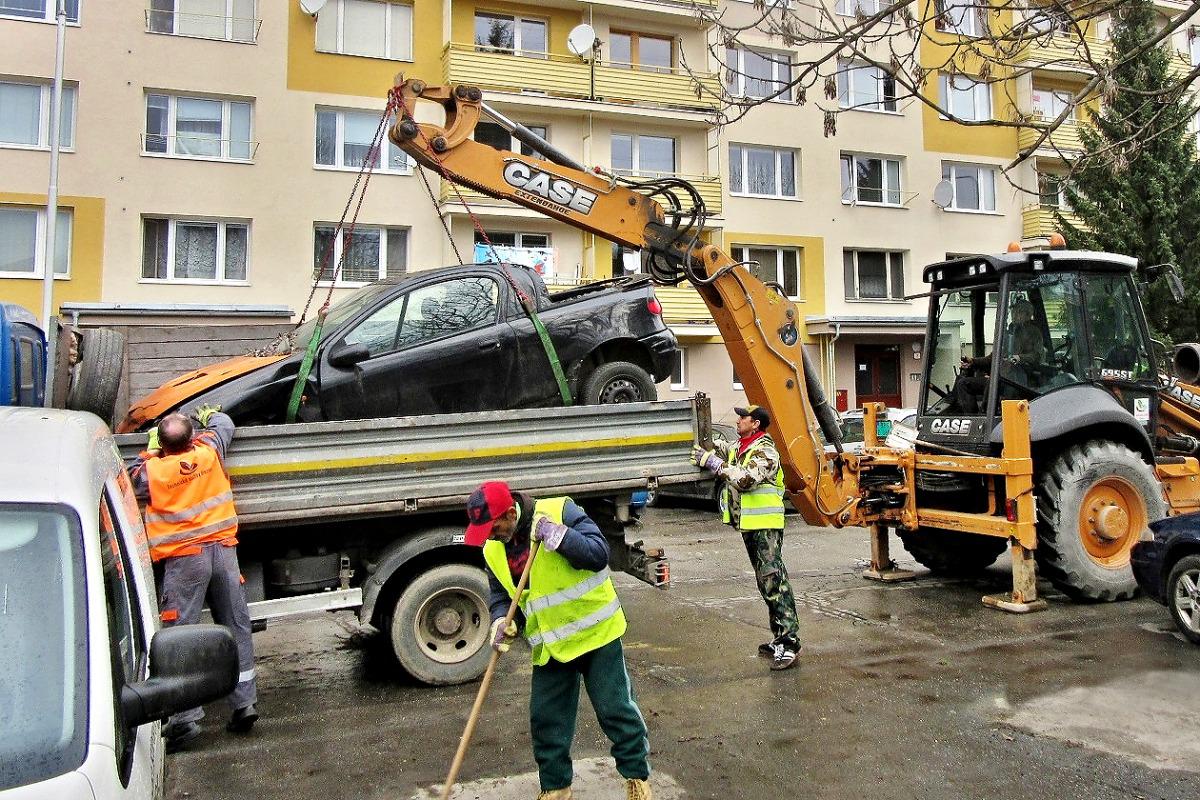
{"x": 97, "y": 376}
{"x": 440, "y": 624}
{"x": 956, "y": 555}
{"x": 1183, "y": 596}
{"x": 618, "y": 382}
{"x": 1096, "y": 499}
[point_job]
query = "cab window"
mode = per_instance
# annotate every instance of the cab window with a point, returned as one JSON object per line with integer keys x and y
{"x": 1119, "y": 351}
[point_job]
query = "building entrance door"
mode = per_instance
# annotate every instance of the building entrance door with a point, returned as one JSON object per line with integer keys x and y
{"x": 877, "y": 375}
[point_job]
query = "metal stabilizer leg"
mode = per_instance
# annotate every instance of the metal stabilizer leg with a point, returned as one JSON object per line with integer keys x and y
{"x": 1024, "y": 597}
{"x": 882, "y": 567}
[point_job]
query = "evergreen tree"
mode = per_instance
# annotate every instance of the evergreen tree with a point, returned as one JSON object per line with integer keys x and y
{"x": 1137, "y": 187}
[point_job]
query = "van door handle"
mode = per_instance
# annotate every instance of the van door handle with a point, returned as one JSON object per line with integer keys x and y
{"x": 490, "y": 344}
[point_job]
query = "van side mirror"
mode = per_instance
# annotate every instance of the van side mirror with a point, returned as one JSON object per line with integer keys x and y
{"x": 190, "y": 665}
{"x": 347, "y": 354}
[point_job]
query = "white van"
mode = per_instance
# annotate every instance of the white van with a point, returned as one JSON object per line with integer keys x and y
{"x": 85, "y": 674}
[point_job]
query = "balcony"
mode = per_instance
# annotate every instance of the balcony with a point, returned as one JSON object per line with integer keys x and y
{"x": 1064, "y": 138}
{"x": 1066, "y": 52}
{"x": 568, "y": 77}
{"x": 709, "y": 187}
{"x": 682, "y": 305}
{"x": 1037, "y": 222}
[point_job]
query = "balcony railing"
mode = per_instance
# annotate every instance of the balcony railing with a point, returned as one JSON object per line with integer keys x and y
{"x": 568, "y": 77}
{"x": 1038, "y": 221}
{"x": 683, "y": 305}
{"x": 1065, "y": 137}
{"x": 1068, "y": 52}
{"x": 203, "y": 26}
{"x": 709, "y": 187}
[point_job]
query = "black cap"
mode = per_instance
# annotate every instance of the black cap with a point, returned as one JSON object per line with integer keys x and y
{"x": 755, "y": 412}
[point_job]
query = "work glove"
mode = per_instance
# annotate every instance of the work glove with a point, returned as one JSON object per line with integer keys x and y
{"x": 706, "y": 459}
{"x": 204, "y": 413}
{"x": 549, "y": 533}
{"x": 502, "y": 636}
{"x": 152, "y": 442}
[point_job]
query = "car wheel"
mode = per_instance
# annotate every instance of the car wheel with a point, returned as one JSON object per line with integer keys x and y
{"x": 618, "y": 382}
{"x": 440, "y": 624}
{"x": 1183, "y": 596}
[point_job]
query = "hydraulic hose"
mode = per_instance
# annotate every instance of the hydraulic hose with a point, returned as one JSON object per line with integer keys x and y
{"x": 826, "y": 416}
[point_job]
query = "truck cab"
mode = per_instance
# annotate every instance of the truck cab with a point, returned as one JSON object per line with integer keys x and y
{"x": 85, "y": 674}
{"x": 22, "y": 358}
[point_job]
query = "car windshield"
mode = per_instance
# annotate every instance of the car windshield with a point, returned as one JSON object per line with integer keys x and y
{"x": 43, "y": 661}
{"x": 347, "y": 309}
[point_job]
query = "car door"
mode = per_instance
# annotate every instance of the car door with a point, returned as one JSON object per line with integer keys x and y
{"x": 439, "y": 348}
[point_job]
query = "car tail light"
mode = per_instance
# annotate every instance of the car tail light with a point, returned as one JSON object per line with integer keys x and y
{"x": 654, "y": 306}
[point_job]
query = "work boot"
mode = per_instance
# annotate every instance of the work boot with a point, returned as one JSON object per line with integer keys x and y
{"x": 637, "y": 789}
{"x": 556, "y": 794}
{"x": 178, "y": 734}
{"x": 243, "y": 719}
{"x": 787, "y": 650}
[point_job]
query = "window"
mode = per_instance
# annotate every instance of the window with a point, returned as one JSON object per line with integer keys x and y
{"x": 490, "y": 133}
{"x": 642, "y": 155}
{"x": 528, "y": 249}
{"x": 965, "y": 98}
{"x": 194, "y": 251}
{"x": 23, "y": 242}
{"x": 754, "y": 73}
{"x": 870, "y": 179}
{"x": 679, "y": 370}
{"x": 373, "y": 253}
{"x": 964, "y": 18}
{"x": 775, "y": 265}
{"x": 1194, "y": 39}
{"x": 1050, "y": 191}
{"x": 429, "y": 312}
{"x": 640, "y": 51}
{"x": 851, "y": 8}
{"x": 1049, "y": 103}
{"x": 501, "y": 33}
{"x": 1050, "y": 19}
{"x": 344, "y": 141}
{"x": 762, "y": 171}
{"x": 974, "y": 186}
{"x": 865, "y": 88}
{"x": 366, "y": 28}
{"x": 197, "y": 127}
{"x": 39, "y": 10}
{"x": 231, "y": 20}
{"x": 873, "y": 274}
{"x": 25, "y": 115}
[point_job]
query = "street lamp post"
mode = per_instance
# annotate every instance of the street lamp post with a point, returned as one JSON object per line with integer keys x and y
{"x": 52, "y": 192}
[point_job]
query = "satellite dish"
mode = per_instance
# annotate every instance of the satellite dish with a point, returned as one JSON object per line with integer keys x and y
{"x": 582, "y": 41}
{"x": 311, "y": 7}
{"x": 943, "y": 194}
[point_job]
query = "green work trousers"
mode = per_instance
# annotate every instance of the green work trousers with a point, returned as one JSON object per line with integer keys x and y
{"x": 554, "y": 704}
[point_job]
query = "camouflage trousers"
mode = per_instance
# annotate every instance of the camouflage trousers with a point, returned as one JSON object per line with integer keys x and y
{"x": 765, "y": 549}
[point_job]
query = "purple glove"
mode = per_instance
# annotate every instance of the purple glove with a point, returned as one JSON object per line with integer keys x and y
{"x": 706, "y": 459}
{"x": 550, "y": 534}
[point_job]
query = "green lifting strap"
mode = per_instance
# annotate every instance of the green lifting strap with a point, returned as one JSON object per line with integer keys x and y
{"x": 310, "y": 353}
{"x": 548, "y": 346}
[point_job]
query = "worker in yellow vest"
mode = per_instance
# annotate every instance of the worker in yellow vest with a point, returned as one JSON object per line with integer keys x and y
{"x": 752, "y": 501}
{"x": 573, "y": 622}
{"x": 191, "y": 525}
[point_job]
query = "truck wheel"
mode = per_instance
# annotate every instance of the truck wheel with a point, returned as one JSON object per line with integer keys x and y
{"x": 1096, "y": 499}
{"x": 949, "y": 553}
{"x": 1183, "y": 596}
{"x": 440, "y": 625}
{"x": 618, "y": 382}
{"x": 98, "y": 374}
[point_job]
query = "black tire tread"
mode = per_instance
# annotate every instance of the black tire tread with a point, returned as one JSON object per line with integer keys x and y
{"x": 97, "y": 379}
{"x": 407, "y": 652}
{"x": 951, "y": 553}
{"x": 1187, "y": 562}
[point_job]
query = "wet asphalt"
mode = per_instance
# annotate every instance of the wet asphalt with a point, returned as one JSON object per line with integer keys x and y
{"x": 913, "y": 690}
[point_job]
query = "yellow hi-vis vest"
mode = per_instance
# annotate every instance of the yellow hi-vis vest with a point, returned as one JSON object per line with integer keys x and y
{"x": 568, "y": 611}
{"x": 762, "y": 506}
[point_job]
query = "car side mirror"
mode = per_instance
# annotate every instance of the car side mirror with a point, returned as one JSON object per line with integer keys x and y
{"x": 190, "y": 665}
{"x": 347, "y": 354}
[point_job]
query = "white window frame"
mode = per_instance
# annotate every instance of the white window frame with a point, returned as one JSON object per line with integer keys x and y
{"x": 981, "y": 97}
{"x": 849, "y": 8}
{"x": 336, "y": 256}
{"x": 1060, "y": 193}
{"x": 49, "y": 14}
{"x": 222, "y": 224}
{"x": 518, "y": 48}
{"x": 778, "y": 154}
{"x": 950, "y": 172}
{"x": 849, "y": 99}
{"x": 962, "y": 18}
{"x": 889, "y": 256}
{"x": 636, "y": 157}
{"x": 1059, "y": 97}
{"x": 338, "y": 8}
{"x": 173, "y": 118}
{"x": 39, "y": 242}
{"x": 741, "y": 252}
{"x": 45, "y": 98}
{"x": 681, "y": 362}
{"x": 886, "y": 188}
{"x": 737, "y": 72}
{"x": 385, "y": 145}
{"x": 228, "y": 36}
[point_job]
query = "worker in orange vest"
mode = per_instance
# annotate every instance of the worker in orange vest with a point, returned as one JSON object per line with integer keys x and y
{"x": 192, "y": 527}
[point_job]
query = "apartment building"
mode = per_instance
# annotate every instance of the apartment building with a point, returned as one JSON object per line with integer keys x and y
{"x": 210, "y": 147}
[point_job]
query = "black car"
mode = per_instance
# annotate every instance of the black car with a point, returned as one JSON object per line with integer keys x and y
{"x": 1167, "y": 567}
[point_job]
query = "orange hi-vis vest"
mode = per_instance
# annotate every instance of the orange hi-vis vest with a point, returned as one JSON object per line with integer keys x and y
{"x": 191, "y": 503}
